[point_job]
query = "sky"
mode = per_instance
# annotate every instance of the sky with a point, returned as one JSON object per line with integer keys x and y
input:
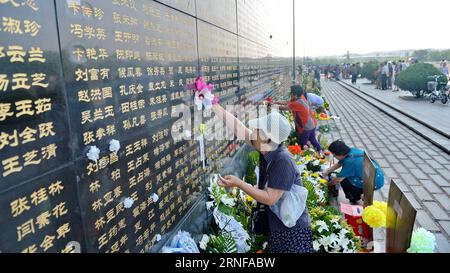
{"x": 333, "y": 27}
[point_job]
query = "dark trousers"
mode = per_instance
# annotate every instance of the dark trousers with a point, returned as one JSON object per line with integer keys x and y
{"x": 306, "y": 136}
{"x": 354, "y": 77}
{"x": 383, "y": 82}
{"x": 352, "y": 193}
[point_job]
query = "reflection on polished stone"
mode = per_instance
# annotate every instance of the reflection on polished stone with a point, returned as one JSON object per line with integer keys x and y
{"x": 116, "y": 70}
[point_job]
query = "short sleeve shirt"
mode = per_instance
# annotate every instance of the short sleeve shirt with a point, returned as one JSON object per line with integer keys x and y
{"x": 282, "y": 175}
{"x": 352, "y": 167}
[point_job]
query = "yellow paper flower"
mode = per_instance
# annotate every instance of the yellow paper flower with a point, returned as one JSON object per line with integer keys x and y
{"x": 323, "y": 181}
{"x": 249, "y": 199}
{"x": 315, "y": 175}
{"x": 381, "y": 206}
{"x": 374, "y": 217}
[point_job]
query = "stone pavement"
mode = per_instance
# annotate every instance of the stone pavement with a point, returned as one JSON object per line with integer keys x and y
{"x": 436, "y": 115}
{"x": 422, "y": 170}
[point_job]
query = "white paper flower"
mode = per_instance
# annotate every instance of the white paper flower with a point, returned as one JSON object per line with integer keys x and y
{"x": 325, "y": 241}
{"x": 336, "y": 223}
{"x": 114, "y": 146}
{"x": 316, "y": 245}
{"x": 94, "y": 153}
{"x": 343, "y": 232}
{"x": 128, "y": 202}
{"x": 344, "y": 243}
{"x": 334, "y": 238}
{"x": 209, "y": 205}
{"x": 322, "y": 226}
{"x": 264, "y": 245}
{"x": 158, "y": 237}
{"x": 227, "y": 201}
{"x": 204, "y": 241}
{"x": 316, "y": 163}
{"x": 154, "y": 197}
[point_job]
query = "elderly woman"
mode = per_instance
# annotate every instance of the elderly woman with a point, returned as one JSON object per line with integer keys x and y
{"x": 278, "y": 174}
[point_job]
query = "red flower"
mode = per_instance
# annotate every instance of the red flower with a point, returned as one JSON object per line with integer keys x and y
{"x": 269, "y": 99}
{"x": 295, "y": 149}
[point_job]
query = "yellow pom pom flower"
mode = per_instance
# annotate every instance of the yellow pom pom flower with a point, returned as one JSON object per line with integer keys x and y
{"x": 381, "y": 206}
{"x": 374, "y": 217}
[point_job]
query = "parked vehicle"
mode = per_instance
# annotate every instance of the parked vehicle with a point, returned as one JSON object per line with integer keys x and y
{"x": 438, "y": 90}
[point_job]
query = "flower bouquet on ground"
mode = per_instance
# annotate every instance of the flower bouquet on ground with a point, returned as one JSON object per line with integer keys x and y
{"x": 331, "y": 233}
{"x": 317, "y": 189}
{"x": 229, "y": 232}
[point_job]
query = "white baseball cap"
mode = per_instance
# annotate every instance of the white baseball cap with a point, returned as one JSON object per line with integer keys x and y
{"x": 275, "y": 126}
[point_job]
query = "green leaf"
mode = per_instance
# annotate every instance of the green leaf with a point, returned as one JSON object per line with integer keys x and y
{"x": 223, "y": 243}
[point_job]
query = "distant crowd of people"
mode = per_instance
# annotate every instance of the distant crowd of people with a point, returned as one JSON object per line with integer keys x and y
{"x": 385, "y": 75}
{"x": 387, "y": 71}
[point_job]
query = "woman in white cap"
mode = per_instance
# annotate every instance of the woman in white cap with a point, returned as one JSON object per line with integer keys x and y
{"x": 278, "y": 174}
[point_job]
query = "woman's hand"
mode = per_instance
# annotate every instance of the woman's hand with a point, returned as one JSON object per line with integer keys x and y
{"x": 229, "y": 181}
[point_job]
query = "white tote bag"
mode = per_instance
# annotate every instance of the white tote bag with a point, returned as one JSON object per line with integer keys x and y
{"x": 291, "y": 205}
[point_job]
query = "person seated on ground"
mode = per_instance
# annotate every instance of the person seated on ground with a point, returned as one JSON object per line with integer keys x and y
{"x": 305, "y": 122}
{"x": 350, "y": 177}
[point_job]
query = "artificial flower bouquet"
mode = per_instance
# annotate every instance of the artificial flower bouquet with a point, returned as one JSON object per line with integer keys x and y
{"x": 331, "y": 233}
{"x": 230, "y": 232}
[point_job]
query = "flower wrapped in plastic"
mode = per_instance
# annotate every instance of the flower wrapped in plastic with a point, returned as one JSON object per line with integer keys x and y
{"x": 203, "y": 93}
{"x": 422, "y": 241}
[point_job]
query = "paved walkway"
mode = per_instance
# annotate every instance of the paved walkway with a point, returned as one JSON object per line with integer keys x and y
{"x": 422, "y": 169}
{"x": 436, "y": 115}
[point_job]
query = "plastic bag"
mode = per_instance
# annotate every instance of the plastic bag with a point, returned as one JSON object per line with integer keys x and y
{"x": 291, "y": 205}
{"x": 182, "y": 243}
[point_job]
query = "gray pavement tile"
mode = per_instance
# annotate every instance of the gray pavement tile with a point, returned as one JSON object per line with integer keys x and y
{"x": 410, "y": 179}
{"x": 446, "y": 226}
{"x": 434, "y": 164}
{"x": 391, "y": 158}
{"x": 443, "y": 200}
{"x": 426, "y": 221}
{"x": 445, "y": 173}
{"x": 390, "y": 173}
{"x": 440, "y": 180}
{"x": 421, "y": 193}
{"x": 430, "y": 186}
{"x": 447, "y": 190}
{"x": 416, "y": 159}
{"x": 408, "y": 164}
{"x": 436, "y": 211}
{"x": 442, "y": 244}
{"x": 413, "y": 200}
{"x": 400, "y": 155}
{"x": 419, "y": 174}
{"x": 427, "y": 169}
{"x": 440, "y": 158}
{"x": 399, "y": 168}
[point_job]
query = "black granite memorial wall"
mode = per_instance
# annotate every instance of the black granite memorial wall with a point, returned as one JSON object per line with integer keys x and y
{"x": 76, "y": 74}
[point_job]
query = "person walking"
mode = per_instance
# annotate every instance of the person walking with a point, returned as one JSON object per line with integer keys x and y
{"x": 354, "y": 71}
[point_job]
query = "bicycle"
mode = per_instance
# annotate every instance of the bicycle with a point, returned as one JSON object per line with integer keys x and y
{"x": 438, "y": 89}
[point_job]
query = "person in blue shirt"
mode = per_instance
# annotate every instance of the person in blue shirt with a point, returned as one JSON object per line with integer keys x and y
{"x": 350, "y": 178}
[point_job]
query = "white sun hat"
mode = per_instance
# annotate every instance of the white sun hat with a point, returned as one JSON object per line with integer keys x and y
{"x": 275, "y": 126}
